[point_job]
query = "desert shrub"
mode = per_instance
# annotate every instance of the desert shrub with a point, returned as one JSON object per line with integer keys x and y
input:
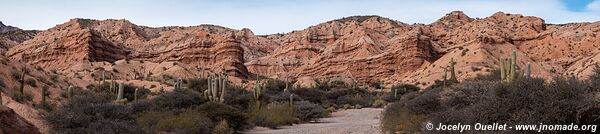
{"x": 428, "y": 102}
{"x": 273, "y": 86}
{"x": 398, "y": 90}
{"x": 273, "y": 115}
{"x": 31, "y": 82}
{"x": 309, "y": 94}
{"x": 89, "y": 112}
{"x": 218, "y": 112}
{"x": 16, "y": 75}
{"x": 169, "y": 101}
{"x": 377, "y": 84}
{"x": 523, "y": 101}
{"x": 361, "y": 100}
{"x": 350, "y": 96}
{"x": 19, "y": 97}
{"x": 337, "y": 84}
{"x": 54, "y": 77}
{"x": 239, "y": 99}
{"x": 398, "y": 119}
{"x": 222, "y": 128}
{"x": 307, "y": 111}
{"x": 190, "y": 121}
{"x": 197, "y": 84}
{"x": 595, "y": 78}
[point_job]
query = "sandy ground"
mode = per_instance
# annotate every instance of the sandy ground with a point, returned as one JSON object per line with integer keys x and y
{"x": 351, "y": 121}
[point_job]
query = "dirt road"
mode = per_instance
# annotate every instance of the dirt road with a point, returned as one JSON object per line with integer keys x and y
{"x": 351, "y": 121}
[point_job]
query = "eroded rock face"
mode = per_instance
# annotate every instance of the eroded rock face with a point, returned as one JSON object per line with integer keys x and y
{"x": 370, "y": 48}
{"x": 12, "y": 123}
{"x": 365, "y": 48}
{"x": 211, "y": 47}
{"x": 11, "y": 36}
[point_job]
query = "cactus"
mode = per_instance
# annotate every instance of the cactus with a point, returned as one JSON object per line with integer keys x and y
{"x": 1, "y": 102}
{"x": 216, "y": 88}
{"x": 395, "y": 93}
{"x": 528, "y": 71}
{"x": 178, "y": 84}
{"x": 513, "y": 64}
{"x": 103, "y": 77}
{"x": 286, "y": 85}
{"x": 121, "y": 91}
{"x": 508, "y": 69}
{"x": 113, "y": 86}
{"x": 162, "y": 90}
{"x": 354, "y": 84}
{"x": 452, "y": 73}
{"x": 70, "y": 91}
{"x": 44, "y": 90}
{"x": 291, "y": 100}
{"x": 256, "y": 91}
{"x": 22, "y": 86}
{"x": 135, "y": 94}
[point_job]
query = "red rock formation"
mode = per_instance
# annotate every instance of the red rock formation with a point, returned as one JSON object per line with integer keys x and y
{"x": 366, "y": 48}
{"x": 12, "y": 123}
{"x": 11, "y": 36}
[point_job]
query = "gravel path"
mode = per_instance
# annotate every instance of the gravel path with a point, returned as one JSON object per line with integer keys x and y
{"x": 351, "y": 121}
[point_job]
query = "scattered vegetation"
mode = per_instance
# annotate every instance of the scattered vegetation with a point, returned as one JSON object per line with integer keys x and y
{"x": 489, "y": 99}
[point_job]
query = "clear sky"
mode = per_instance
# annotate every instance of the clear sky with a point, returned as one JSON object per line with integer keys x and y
{"x": 279, "y": 16}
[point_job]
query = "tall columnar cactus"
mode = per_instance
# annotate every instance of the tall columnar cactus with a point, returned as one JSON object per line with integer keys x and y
{"x": 286, "y": 85}
{"x": 22, "y": 86}
{"x": 452, "y": 73}
{"x": 113, "y": 86}
{"x": 103, "y": 77}
{"x": 121, "y": 92}
{"x": 513, "y": 64}
{"x": 291, "y": 100}
{"x": 216, "y": 88}
{"x": 44, "y": 90}
{"x": 70, "y": 91}
{"x": 395, "y": 92}
{"x": 354, "y": 84}
{"x": 178, "y": 84}
{"x": 135, "y": 94}
{"x": 256, "y": 91}
{"x": 528, "y": 71}
{"x": 508, "y": 69}
{"x": 1, "y": 102}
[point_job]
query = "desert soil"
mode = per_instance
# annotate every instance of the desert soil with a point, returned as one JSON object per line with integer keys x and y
{"x": 351, "y": 121}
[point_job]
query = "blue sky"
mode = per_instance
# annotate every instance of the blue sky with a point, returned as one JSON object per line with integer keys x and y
{"x": 279, "y": 16}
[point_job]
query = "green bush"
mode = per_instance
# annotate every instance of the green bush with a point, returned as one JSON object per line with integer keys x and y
{"x": 308, "y": 94}
{"x": 223, "y": 128}
{"x": 307, "y": 111}
{"x": 487, "y": 100}
{"x": 190, "y": 121}
{"x": 273, "y": 115}
{"x": 31, "y": 82}
{"x": 175, "y": 101}
{"x": 398, "y": 119}
{"x": 17, "y": 96}
{"x": 90, "y": 112}
{"x": 218, "y": 112}
{"x": 398, "y": 90}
